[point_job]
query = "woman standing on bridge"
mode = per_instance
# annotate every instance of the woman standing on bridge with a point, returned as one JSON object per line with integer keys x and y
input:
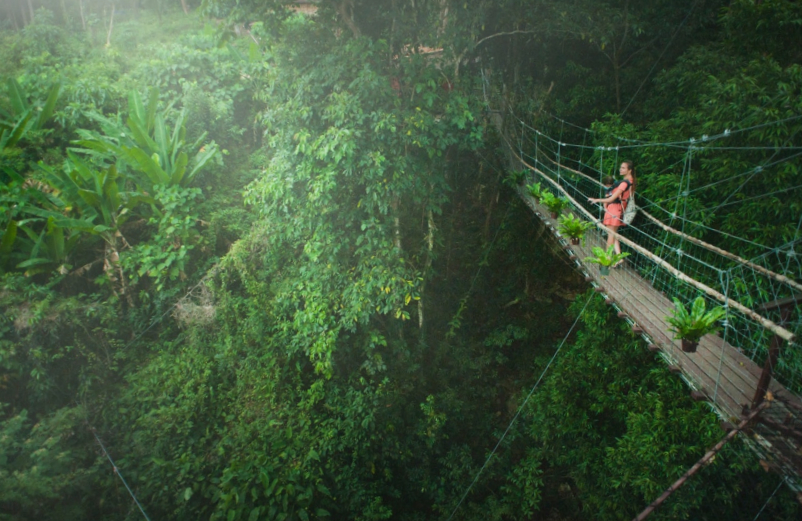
{"x": 616, "y": 203}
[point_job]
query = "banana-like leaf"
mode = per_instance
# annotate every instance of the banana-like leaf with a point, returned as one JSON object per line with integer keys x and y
{"x": 144, "y": 163}
{"x": 18, "y": 99}
{"x": 48, "y": 108}
{"x": 85, "y": 225}
{"x": 91, "y": 198}
{"x": 179, "y": 169}
{"x": 201, "y": 159}
{"x": 140, "y": 135}
{"x": 178, "y": 132}
{"x": 13, "y": 135}
{"x": 162, "y": 145}
{"x": 55, "y": 238}
{"x": 9, "y": 236}
{"x": 136, "y": 110}
{"x": 30, "y": 263}
{"x": 153, "y": 101}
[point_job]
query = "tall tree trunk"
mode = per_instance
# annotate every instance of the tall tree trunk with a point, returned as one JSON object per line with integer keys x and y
{"x": 30, "y": 9}
{"x": 113, "y": 269}
{"x": 396, "y": 224}
{"x": 443, "y": 17}
{"x": 184, "y": 6}
{"x": 111, "y": 26}
{"x": 346, "y": 10}
{"x": 426, "y": 267}
{"x": 64, "y": 15}
{"x": 10, "y": 11}
{"x": 83, "y": 18}
{"x": 24, "y": 15}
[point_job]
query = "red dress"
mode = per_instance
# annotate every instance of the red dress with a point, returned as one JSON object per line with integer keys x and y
{"x": 615, "y": 211}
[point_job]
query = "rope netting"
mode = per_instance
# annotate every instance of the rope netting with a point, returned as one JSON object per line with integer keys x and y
{"x": 666, "y": 249}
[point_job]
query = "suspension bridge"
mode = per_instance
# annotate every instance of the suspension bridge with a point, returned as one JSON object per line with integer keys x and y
{"x": 754, "y": 359}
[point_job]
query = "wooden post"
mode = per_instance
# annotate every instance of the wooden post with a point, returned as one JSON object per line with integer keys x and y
{"x": 774, "y": 349}
{"x": 699, "y": 464}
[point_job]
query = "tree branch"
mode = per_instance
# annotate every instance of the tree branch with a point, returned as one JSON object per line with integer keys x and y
{"x": 480, "y": 42}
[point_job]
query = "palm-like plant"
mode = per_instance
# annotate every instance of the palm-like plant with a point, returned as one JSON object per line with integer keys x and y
{"x": 691, "y": 327}
{"x": 606, "y": 258}
{"x": 536, "y": 191}
{"x": 515, "y": 177}
{"x": 555, "y": 204}
{"x": 146, "y": 145}
{"x": 48, "y": 250}
{"x": 25, "y": 116}
{"x": 96, "y": 196}
{"x": 573, "y": 227}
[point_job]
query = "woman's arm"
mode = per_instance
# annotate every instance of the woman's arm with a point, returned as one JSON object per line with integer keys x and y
{"x": 615, "y": 195}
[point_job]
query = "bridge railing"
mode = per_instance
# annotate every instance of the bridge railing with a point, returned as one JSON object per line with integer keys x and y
{"x": 746, "y": 286}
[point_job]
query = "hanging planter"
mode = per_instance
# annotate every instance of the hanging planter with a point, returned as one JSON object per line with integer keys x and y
{"x": 606, "y": 258}
{"x": 536, "y": 191}
{"x": 574, "y": 228}
{"x": 689, "y": 346}
{"x": 690, "y": 327}
{"x": 555, "y": 204}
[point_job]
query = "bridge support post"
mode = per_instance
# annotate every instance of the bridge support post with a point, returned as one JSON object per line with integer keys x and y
{"x": 774, "y": 349}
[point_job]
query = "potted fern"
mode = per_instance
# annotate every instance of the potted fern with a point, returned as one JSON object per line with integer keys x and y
{"x": 536, "y": 191}
{"x": 555, "y": 204}
{"x": 573, "y": 227}
{"x": 606, "y": 258}
{"x": 690, "y": 327}
{"x": 516, "y": 177}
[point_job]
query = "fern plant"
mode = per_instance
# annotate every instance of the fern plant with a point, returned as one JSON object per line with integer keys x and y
{"x": 555, "y": 204}
{"x": 536, "y": 191}
{"x": 573, "y": 227}
{"x": 606, "y": 258}
{"x": 691, "y": 327}
{"x": 515, "y": 177}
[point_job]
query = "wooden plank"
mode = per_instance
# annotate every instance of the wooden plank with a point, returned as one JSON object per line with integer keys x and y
{"x": 706, "y": 365}
{"x": 729, "y": 400}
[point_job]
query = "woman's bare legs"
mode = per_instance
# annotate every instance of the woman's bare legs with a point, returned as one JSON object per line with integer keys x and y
{"x": 612, "y": 240}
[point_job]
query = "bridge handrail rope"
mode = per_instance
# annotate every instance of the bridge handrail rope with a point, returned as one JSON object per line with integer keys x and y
{"x": 691, "y": 141}
{"x": 766, "y": 323}
{"x": 691, "y": 146}
{"x": 776, "y": 276}
{"x": 788, "y": 285}
{"x": 768, "y": 249}
{"x": 696, "y": 223}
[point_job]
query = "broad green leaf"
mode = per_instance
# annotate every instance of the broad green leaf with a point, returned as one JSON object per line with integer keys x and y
{"x": 18, "y": 100}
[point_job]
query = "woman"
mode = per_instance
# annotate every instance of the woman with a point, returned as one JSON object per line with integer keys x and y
{"x": 615, "y": 204}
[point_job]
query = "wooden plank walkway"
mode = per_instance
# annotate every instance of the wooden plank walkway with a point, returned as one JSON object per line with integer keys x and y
{"x": 718, "y": 372}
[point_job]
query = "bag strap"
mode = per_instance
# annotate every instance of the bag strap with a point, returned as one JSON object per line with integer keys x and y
{"x": 619, "y": 200}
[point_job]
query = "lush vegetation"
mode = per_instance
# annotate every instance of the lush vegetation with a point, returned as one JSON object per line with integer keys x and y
{"x": 271, "y": 262}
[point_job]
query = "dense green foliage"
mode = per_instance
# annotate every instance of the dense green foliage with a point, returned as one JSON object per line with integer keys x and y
{"x": 272, "y": 262}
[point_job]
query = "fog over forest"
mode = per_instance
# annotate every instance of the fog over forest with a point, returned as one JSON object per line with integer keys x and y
{"x": 273, "y": 260}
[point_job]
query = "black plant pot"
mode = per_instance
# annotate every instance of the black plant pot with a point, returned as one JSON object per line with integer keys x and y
{"x": 575, "y": 241}
{"x": 553, "y": 215}
{"x": 604, "y": 270}
{"x": 688, "y": 346}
